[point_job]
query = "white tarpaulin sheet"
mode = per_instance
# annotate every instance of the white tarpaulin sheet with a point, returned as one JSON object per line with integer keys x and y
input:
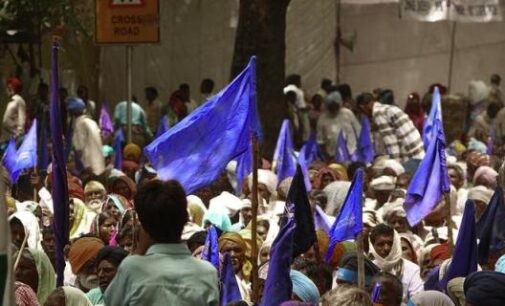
{"x": 455, "y": 10}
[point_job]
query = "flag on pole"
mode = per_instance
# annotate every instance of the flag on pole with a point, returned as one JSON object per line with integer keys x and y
{"x": 196, "y": 150}
{"x": 278, "y": 285}
{"x": 349, "y": 221}
{"x": 10, "y": 158}
{"x": 435, "y": 115}
{"x": 364, "y": 149}
{"x": 430, "y": 181}
{"x": 105, "y": 122}
{"x": 464, "y": 259}
{"x": 23, "y": 158}
{"x": 342, "y": 155}
{"x": 491, "y": 227}
{"x": 305, "y": 233}
{"x": 309, "y": 152}
{"x": 118, "y": 148}
{"x": 284, "y": 155}
{"x": 211, "y": 247}
{"x": 244, "y": 168}
{"x": 229, "y": 291}
{"x": 59, "y": 172}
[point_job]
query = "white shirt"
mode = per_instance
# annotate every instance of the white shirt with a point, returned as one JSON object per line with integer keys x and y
{"x": 300, "y": 96}
{"x": 14, "y": 118}
{"x": 328, "y": 130}
{"x": 411, "y": 279}
{"x": 88, "y": 143}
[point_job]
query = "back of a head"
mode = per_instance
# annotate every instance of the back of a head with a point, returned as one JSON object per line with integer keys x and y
{"x": 390, "y": 284}
{"x": 326, "y": 84}
{"x": 152, "y": 91}
{"x": 162, "y": 210}
{"x": 207, "y": 86}
{"x": 294, "y": 79}
{"x": 347, "y": 295}
{"x": 495, "y": 79}
{"x": 345, "y": 91}
{"x": 364, "y": 98}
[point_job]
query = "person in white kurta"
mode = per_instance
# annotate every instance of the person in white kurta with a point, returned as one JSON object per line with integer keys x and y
{"x": 14, "y": 119}
{"x": 86, "y": 138}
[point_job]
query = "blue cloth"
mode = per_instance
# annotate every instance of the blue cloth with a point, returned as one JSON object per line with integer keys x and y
{"x": 211, "y": 247}
{"x": 464, "y": 258}
{"x": 304, "y": 287}
{"x": 278, "y": 285}
{"x": 305, "y": 233}
{"x": 491, "y": 228}
{"x": 25, "y": 157}
{"x": 229, "y": 291}
{"x": 59, "y": 172}
{"x": 10, "y": 159}
{"x": 430, "y": 181}
{"x": 349, "y": 221}
{"x": 364, "y": 148}
{"x": 485, "y": 288}
{"x": 284, "y": 154}
{"x": 118, "y": 148}
{"x": 105, "y": 122}
{"x": 197, "y": 149}
{"x": 351, "y": 276}
{"x": 75, "y": 105}
{"x": 309, "y": 152}
{"x": 244, "y": 168}
{"x": 435, "y": 115}
{"x": 342, "y": 154}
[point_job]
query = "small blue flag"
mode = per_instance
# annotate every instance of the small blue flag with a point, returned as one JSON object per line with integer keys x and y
{"x": 211, "y": 247}
{"x": 105, "y": 122}
{"x": 10, "y": 157}
{"x": 430, "y": 181}
{"x": 364, "y": 149}
{"x": 118, "y": 148}
{"x": 435, "y": 115}
{"x": 196, "y": 150}
{"x": 349, "y": 221}
{"x": 305, "y": 233}
{"x": 342, "y": 155}
{"x": 464, "y": 259}
{"x": 491, "y": 228}
{"x": 284, "y": 157}
{"x": 229, "y": 291}
{"x": 309, "y": 152}
{"x": 26, "y": 155}
{"x": 278, "y": 286}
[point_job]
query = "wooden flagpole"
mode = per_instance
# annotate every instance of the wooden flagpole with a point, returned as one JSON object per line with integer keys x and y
{"x": 254, "y": 222}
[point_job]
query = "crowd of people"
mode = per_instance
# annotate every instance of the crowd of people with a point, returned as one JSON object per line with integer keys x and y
{"x": 136, "y": 240}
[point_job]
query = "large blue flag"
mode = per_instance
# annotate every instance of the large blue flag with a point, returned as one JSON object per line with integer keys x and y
{"x": 342, "y": 154}
{"x": 364, "y": 148}
{"x": 118, "y": 148}
{"x": 196, "y": 150}
{"x": 349, "y": 221}
{"x": 278, "y": 286}
{"x": 59, "y": 172}
{"x": 435, "y": 115}
{"x": 491, "y": 227}
{"x": 464, "y": 259}
{"x": 10, "y": 157}
{"x": 284, "y": 157}
{"x": 26, "y": 155}
{"x": 430, "y": 181}
{"x": 297, "y": 200}
{"x": 229, "y": 291}
{"x": 211, "y": 247}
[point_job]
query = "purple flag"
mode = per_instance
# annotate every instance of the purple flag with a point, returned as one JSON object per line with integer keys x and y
{"x": 284, "y": 154}
{"x": 229, "y": 291}
{"x": 211, "y": 248}
{"x": 59, "y": 174}
{"x": 430, "y": 181}
{"x": 105, "y": 122}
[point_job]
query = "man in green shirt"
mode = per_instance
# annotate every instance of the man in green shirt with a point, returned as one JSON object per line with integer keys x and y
{"x": 165, "y": 273}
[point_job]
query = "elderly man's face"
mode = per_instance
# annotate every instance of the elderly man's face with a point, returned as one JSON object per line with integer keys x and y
{"x": 94, "y": 199}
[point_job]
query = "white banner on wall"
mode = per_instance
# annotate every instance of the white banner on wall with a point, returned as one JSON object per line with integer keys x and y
{"x": 455, "y": 10}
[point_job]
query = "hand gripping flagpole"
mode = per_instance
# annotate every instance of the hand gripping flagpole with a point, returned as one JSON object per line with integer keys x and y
{"x": 254, "y": 222}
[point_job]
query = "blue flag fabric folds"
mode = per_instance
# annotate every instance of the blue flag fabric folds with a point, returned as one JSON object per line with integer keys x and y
{"x": 305, "y": 233}
{"x": 430, "y": 181}
{"x": 211, "y": 247}
{"x": 59, "y": 172}
{"x": 10, "y": 157}
{"x": 44, "y": 151}
{"x": 435, "y": 115}
{"x": 342, "y": 155}
{"x": 464, "y": 259}
{"x": 284, "y": 154}
{"x": 118, "y": 148}
{"x": 105, "y": 122}
{"x": 229, "y": 291}
{"x": 309, "y": 152}
{"x": 196, "y": 150}
{"x": 25, "y": 157}
{"x": 244, "y": 168}
{"x": 349, "y": 221}
{"x": 491, "y": 227}
{"x": 278, "y": 286}
{"x": 364, "y": 149}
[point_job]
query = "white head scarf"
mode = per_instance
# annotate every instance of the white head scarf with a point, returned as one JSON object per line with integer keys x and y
{"x": 394, "y": 256}
{"x": 32, "y": 229}
{"x": 336, "y": 193}
{"x": 75, "y": 297}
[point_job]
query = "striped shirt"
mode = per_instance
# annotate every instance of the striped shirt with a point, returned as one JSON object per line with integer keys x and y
{"x": 395, "y": 133}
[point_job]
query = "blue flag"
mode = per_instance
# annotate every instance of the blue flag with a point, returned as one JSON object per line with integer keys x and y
{"x": 364, "y": 149}
{"x": 309, "y": 152}
{"x": 10, "y": 157}
{"x": 321, "y": 220}
{"x": 278, "y": 286}
{"x": 118, "y": 148}
{"x": 211, "y": 248}
{"x": 26, "y": 155}
{"x": 196, "y": 150}
{"x": 464, "y": 259}
{"x": 491, "y": 227}
{"x": 59, "y": 174}
{"x": 244, "y": 168}
{"x": 305, "y": 233}
{"x": 349, "y": 221}
{"x": 342, "y": 154}
{"x": 284, "y": 154}
{"x": 435, "y": 115}
{"x": 229, "y": 291}
{"x": 430, "y": 181}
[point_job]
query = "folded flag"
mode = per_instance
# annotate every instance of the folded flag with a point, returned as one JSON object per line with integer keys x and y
{"x": 284, "y": 155}
{"x": 23, "y": 158}
{"x": 229, "y": 291}
{"x": 435, "y": 115}
{"x": 211, "y": 247}
{"x": 364, "y": 149}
